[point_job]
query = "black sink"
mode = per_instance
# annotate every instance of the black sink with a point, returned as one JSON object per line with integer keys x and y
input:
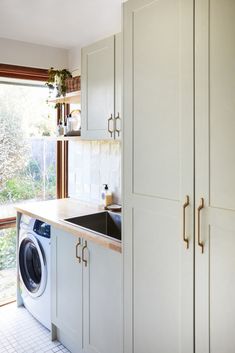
{"x": 105, "y": 223}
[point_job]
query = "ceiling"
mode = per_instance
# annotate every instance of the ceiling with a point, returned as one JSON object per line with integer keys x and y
{"x": 59, "y": 23}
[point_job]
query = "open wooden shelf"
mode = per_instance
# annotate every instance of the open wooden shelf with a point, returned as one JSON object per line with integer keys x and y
{"x": 68, "y": 138}
{"x": 72, "y": 97}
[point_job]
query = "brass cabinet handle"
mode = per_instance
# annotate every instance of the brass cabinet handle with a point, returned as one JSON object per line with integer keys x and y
{"x": 83, "y": 250}
{"x": 116, "y": 129}
{"x": 185, "y": 205}
{"x": 109, "y": 130}
{"x": 77, "y": 256}
{"x": 200, "y": 207}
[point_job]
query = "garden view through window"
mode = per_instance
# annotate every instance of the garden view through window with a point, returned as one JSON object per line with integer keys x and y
{"x": 27, "y": 162}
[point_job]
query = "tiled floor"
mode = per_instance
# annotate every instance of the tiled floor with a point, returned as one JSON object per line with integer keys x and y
{"x": 21, "y": 333}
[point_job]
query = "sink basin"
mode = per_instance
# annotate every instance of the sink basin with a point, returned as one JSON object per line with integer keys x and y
{"x": 105, "y": 223}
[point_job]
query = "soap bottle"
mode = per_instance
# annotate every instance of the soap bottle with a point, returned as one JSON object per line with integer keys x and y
{"x": 69, "y": 123}
{"x": 106, "y": 196}
{"x": 60, "y": 129}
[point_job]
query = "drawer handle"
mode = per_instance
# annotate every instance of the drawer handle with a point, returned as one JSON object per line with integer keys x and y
{"x": 185, "y": 205}
{"x": 116, "y": 120}
{"x": 83, "y": 251}
{"x": 77, "y": 256}
{"x": 200, "y": 207}
{"x": 109, "y": 130}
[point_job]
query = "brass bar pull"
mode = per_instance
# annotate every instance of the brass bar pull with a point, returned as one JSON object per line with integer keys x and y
{"x": 83, "y": 250}
{"x": 185, "y": 205}
{"x": 200, "y": 207}
{"x": 77, "y": 256}
{"x": 118, "y": 130}
{"x": 109, "y": 130}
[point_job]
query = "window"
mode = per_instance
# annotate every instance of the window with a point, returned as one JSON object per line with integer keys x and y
{"x": 27, "y": 144}
{"x": 33, "y": 165}
{"x": 27, "y": 163}
{"x": 7, "y": 265}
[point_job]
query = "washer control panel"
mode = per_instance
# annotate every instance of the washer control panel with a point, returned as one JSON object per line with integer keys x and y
{"x": 41, "y": 228}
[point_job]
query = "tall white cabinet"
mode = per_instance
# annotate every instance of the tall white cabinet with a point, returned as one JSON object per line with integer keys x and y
{"x": 158, "y": 176}
{"x": 215, "y": 176}
{"x": 179, "y": 158}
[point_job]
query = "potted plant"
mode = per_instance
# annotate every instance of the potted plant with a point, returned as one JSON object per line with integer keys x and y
{"x": 57, "y": 80}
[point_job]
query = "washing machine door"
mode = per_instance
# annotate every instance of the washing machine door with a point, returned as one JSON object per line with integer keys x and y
{"x": 32, "y": 265}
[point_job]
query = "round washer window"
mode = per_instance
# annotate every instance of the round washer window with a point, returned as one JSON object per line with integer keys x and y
{"x": 31, "y": 264}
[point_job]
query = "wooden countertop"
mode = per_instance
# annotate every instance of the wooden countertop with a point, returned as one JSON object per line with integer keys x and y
{"x": 54, "y": 211}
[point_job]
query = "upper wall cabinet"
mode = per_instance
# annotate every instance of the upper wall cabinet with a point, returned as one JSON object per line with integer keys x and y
{"x": 118, "y": 86}
{"x": 101, "y": 89}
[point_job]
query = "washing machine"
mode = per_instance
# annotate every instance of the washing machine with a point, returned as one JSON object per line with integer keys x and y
{"x": 34, "y": 265}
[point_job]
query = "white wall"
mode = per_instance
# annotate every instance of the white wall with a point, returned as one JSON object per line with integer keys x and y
{"x": 92, "y": 164}
{"x": 74, "y": 60}
{"x": 32, "y": 55}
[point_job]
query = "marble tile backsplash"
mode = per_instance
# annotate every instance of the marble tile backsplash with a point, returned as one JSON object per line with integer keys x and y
{"x": 92, "y": 164}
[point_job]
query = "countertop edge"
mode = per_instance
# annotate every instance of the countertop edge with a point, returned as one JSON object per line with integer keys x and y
{"x": 96, "y": 238}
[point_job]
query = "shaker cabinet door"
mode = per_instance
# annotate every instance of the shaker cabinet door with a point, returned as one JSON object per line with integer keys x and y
{"x": 98, "y": 72}
{"x": 215, "y": 176}
{"x": 158, "y": 176}
{"x": 67, "y": 289}
{"x": 118, "y": 86}
{"x": 102, "y": 300}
